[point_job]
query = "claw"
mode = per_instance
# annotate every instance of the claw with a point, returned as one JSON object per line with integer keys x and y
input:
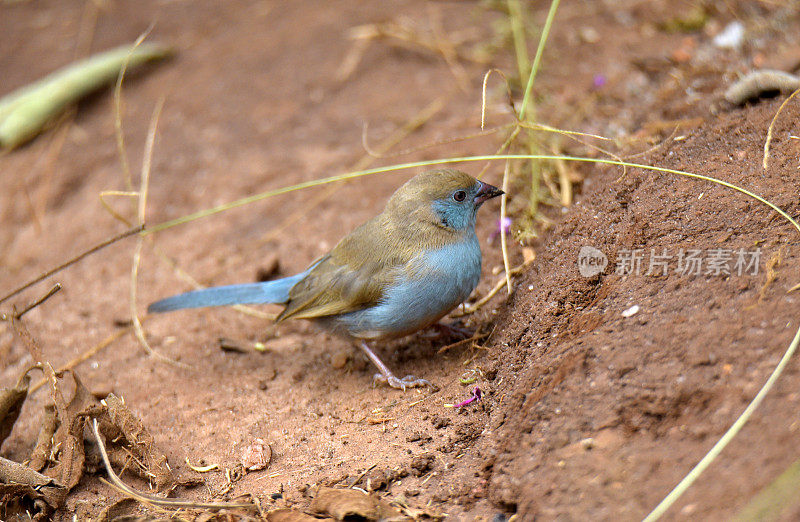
{"x": 409, "y": 381}
{"x": 387, "y": 377}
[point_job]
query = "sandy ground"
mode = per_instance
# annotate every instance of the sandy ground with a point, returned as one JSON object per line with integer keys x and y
{"x": 588, "y": 412}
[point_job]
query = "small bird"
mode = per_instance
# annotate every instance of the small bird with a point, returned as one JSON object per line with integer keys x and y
{"x": 398, "y": 273}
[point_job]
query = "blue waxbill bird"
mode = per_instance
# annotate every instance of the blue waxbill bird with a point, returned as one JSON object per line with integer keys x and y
{"x": 399, "y": 272}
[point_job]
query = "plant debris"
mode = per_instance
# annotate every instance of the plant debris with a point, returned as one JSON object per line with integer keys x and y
{"x": 352, "y": 504}
{"x": 26, "y": 111}
{"x": 760, "y": 83}
{"x": 140, "y": 449}
{"x": 58, "y": 460}
{"x": 257, "y": 455}
{"x": 476, "y": 396}
{"x": 11, "y": 400}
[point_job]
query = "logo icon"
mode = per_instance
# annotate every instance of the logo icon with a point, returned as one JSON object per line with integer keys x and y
{"x": 591, "y": 261}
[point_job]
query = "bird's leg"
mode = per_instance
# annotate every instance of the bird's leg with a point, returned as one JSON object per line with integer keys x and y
{"x": 386, "y": 376}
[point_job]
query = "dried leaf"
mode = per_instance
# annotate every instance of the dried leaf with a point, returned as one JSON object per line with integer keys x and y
{"x": 141, "y": 443}
{"x": 121, "y": 508}
{"x": 44, "y": 442}
{"x": 68, "y": 437}
{"x": 11, "y": 400}
{"x": 352, "y": 504}
{"x": 290, "y": 515}
{"x": 19, "y": 482}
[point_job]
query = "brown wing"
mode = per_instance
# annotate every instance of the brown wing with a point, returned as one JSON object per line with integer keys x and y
{"x": 351, "y": 277}
{"x": 355, "y": 274}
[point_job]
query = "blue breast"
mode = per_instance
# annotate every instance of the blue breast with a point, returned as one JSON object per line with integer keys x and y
{"x": 425, "y": 290}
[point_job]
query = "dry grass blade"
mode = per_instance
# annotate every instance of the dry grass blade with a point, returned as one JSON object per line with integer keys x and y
{"x": 400, "y": 134}
{"x": 476, "y": 337}
{"x": 510, "y": 96}
{"x": 503, "y": 228}
{"x": 503, "y": 281}
{"x": 118, "y": 131}
{"x": 772, "y": 125}
{"x": 403, "y": 34}
{"x": 142, "y": 207}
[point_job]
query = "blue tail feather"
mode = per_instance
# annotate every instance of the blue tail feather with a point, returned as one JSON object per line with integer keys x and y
{"x": 250, "y": 293}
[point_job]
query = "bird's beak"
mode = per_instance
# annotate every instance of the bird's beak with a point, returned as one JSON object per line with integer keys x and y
{"x": 487, "y": 192}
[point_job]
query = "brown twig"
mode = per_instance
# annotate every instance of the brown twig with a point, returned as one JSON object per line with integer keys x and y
{"x": 361, "y": 476}
{"x": 462, "y": 341}
{"x": 497, "y": 287}
{"x": 79, "y": 257}
{"x": 27, "y": 339}
{"x": 105, "y": 343}
{"x": 39, "y": 301}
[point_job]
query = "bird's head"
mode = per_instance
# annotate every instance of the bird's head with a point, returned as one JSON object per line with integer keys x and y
{"x": 447, "y": 198}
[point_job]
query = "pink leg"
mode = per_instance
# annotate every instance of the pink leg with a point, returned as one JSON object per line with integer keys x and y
{"x": 386, "y": 376}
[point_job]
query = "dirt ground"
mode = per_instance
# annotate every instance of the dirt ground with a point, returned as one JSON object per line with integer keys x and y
{"x": 592, "y": 409}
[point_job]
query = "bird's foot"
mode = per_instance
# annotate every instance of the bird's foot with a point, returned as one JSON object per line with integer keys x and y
{"x": 409, "y": 381}
{"x": 387, "y": 377}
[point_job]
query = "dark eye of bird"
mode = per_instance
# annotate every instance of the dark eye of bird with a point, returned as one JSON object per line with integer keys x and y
{"x": 460, "y": 195}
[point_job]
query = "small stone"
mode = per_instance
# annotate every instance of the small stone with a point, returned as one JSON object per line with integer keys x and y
{"x": 412, "y": 492}
{"x": 256, "y": 456}
{"x": 414, "y": 436}
{"x": 269, "y": 270}
{"x": 528, "y": 255}
{"x": 630, "y": 312}
{"x": 731, "y": 37}
{"x": 440, "y": 422}
{"x": 589, "y": 34}
{"x": 422, "y": 463}
{"x": 339, "y": 359}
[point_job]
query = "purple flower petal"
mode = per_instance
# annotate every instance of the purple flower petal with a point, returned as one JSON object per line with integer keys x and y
{"x": 599, "y": 81}
{"x": 476, "y": 396}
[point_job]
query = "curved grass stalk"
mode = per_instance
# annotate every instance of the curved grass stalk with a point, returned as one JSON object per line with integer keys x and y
{"x": 729, "y": 435}
{"x": 765, "y": 162}
{"x": 445, "y": 161}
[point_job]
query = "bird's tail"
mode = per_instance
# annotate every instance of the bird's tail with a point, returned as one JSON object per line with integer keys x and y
{"x": 251, "y": 293}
